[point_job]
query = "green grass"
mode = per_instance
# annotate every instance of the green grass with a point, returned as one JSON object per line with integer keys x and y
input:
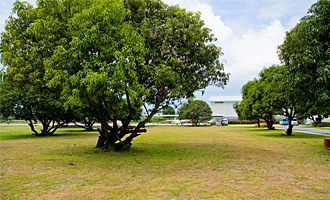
{"x": 324, "y": 128}
{"x": 165, "y": 163}
{"x": 13, "y": 121}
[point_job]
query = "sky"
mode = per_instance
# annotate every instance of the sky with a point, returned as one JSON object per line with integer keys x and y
{"x": 248, "y": 31}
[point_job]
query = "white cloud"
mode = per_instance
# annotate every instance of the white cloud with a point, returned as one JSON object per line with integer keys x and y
{"x": 221, "y": 31}
{"x": 275, "y": 11}
{"x": 293, "y": 21}
{"x": 248, "y": 46}
{"x": 254, "y": 50}
{"x": 246, "y": 51}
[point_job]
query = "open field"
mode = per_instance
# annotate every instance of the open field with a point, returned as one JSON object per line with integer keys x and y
{"x": 165, "y": 163}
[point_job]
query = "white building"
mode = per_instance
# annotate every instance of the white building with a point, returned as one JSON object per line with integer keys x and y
{"x": 222, "y": 107}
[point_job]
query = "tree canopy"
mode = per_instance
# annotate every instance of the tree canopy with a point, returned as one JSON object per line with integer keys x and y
{"x": 196, "y": 111}
{"x": 262, "y": 98}
{"x": 169, "y": 110}
{"x": 103, "y": 53}
{"x": 24, "y": 91}
{"x": 306, "y": 53}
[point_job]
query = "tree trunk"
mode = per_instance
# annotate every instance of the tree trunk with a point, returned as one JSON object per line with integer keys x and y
{"x": 32, "y": 127}
{"x": 258, "y": 122}
{"x": 290, "y": 127}
{"x": 102, "y": 141}
{"x": 112, "y": 137}
{"x": 87, "y": 125}
{"x": 318, "y": 119}
{"x": 270, "y": 123}
{"x": 43, "y": 132}
{"x": 289, "y": 130}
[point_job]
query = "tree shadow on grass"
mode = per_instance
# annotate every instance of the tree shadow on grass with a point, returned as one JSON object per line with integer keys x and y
{"x": 59, "y": 133}
{"x": 280, "y": 133}
{"x": 296, "y": 135}
{"x": 261, "y": 129}
{"x": 17, "y": 136}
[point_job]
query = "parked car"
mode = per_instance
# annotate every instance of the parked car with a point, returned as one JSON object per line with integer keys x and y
{"x": 285, "y": 121}
{"x": 177, "y": 122}
{"x": 224, "y": 122}
{"x": 294, "y": 122}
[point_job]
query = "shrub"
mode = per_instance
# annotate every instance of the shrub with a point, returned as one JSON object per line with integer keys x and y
{"x": 262, "y": 124}
{"x": 242, "y": 122}
{"x": 322, "y": 124}
{"x": 300, "y": 121}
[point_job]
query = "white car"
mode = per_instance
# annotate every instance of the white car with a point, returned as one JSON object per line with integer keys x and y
{"x": 294, "y": 122}
{"x": 224, "y": 122}
{"x": 177, "y": 122}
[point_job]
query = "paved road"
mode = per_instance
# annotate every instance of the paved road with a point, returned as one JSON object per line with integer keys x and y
{"x": 303, "y": 129}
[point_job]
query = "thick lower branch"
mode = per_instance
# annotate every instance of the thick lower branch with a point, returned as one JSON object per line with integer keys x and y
{"x": 114, "y": 137}
{"x": 32, "y": 127}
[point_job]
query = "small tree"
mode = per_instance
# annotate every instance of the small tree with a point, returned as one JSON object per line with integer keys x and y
{"x": 196, "y": 111}
{"x": 85, "y": 119}
{"x": 45, "y": 108}
{"x": 168, "y": 111}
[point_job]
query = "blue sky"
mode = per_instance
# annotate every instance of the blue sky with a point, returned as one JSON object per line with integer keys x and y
{"x": 248, "y": 31}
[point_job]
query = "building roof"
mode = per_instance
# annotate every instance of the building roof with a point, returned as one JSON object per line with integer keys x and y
{"x": 225, "y": 98}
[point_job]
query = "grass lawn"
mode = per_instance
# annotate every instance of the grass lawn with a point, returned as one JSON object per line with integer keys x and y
{"x": 165, "y": 163}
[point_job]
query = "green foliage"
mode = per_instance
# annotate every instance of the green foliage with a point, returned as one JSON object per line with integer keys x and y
{"x": 306, "y": 54}
{"x": 196, "y": 110}
{"x": 45, "y": 108}
{"x": 243, "y": 122}
{"x": 111, "y": 57}
{"x": 25, "y": 45}
{"x": 168, "y": 111}
{"x": 322, "y": 124}
{"x": 262, "y": 98}
{"x": 236, "y": 108}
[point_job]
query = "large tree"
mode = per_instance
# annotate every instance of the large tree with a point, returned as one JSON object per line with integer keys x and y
{"x": 281, "y": 92}
{"x": 306, "y": 53}
{"x": 272, "y": 94}
{"x": 101, "y": 53}
{"x": 24, "y": 92}
{"x": 196, "y": 111}
{"x": 262, "y": 98}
